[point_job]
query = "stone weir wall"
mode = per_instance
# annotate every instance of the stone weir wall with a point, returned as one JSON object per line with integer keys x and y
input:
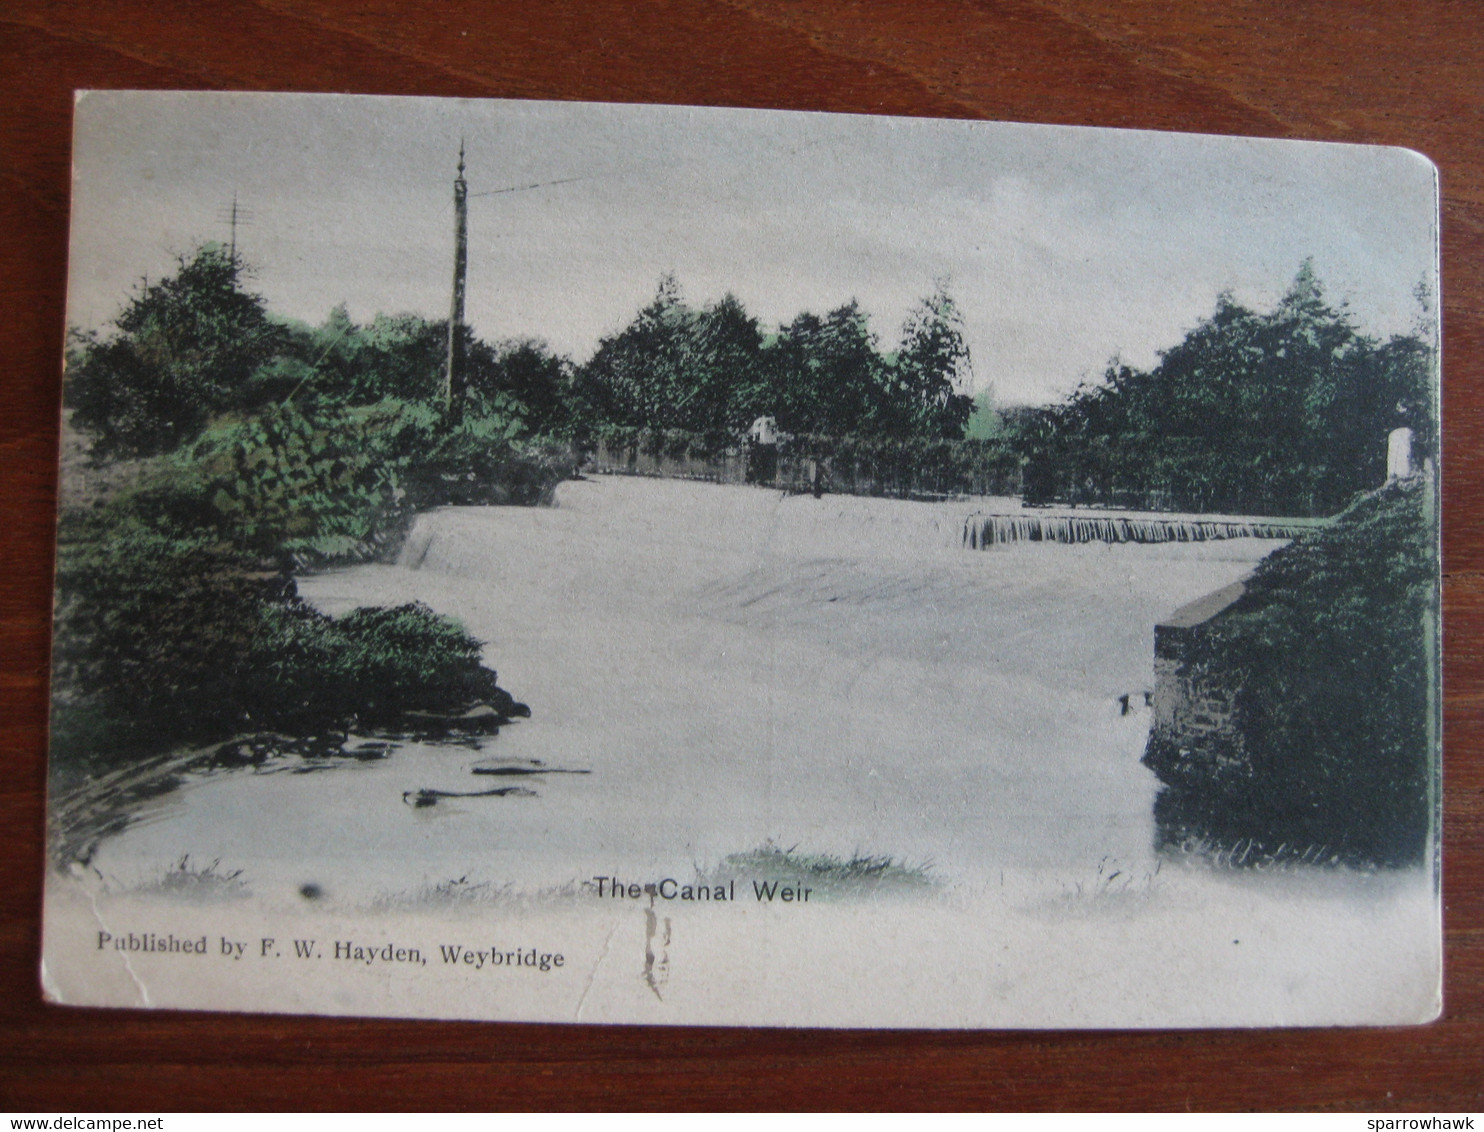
{"x": 1193, "y": 735}
{"x": 981, "y": 531}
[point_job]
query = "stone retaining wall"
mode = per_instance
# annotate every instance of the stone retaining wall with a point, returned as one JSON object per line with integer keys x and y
{"x": 1193, "y": 732}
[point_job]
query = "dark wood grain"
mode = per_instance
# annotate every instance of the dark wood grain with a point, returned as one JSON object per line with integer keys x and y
{"x": 1402, "y": 74}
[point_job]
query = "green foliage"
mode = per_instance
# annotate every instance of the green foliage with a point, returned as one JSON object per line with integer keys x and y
{"x": 1278, "y": 413}
{"x": 276, "y": 381}
{"x": 712, "y": 371}
{"x": 1331, "y": 657}
{"x": 184, "y": 349}
{"x": 149, "y": 631}
{"x": 674, "y": 367}
{"x": 985, "y": 422}
{"x": 197, "y": 344}
{"x": 931, "y": 368}
{"x": 273, "y": 445}
{"x": 304, "y": 480}
{"x": 399, "y": 357}
{"x": 396, "y": 356}
{"x": 372, "y": 665}
{"x": 488, "y": 457}
{"x": 322, "y": 481}
{"x": 525, "y": 373}
{"x": 163, "y": 641}
{"x": 404, "y": 358}
{"x": 825, "y": 374}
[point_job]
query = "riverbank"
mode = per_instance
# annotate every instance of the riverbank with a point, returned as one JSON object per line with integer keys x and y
{"x": 178, "y": 622}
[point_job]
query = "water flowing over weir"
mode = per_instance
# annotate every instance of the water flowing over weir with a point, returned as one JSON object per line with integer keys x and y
{"x": 735, "y": 667}
{"x": 741, "y": 671}
{"x": 982, "y": 531}
{"x": 415, "y": 545}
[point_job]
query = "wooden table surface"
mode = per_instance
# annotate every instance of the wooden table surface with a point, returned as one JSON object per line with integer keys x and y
{"x": 1384, "y": 71}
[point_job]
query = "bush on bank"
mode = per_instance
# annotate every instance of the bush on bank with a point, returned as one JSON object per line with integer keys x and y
{"x": 255, "y": 446}
{"x": 1330, "y": 658}
{"x": 178, "y": 621}
{"x": 164, "y": 642}
{"x": 328, "y": 482}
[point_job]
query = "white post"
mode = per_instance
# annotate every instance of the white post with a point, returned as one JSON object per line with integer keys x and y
{"x": 1398, "y": 454}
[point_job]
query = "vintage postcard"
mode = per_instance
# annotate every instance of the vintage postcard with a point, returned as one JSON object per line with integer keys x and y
{"x": 598, "y": 563}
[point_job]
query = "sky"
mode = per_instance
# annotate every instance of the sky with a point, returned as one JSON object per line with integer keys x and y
{"x": 1062, "y": 246}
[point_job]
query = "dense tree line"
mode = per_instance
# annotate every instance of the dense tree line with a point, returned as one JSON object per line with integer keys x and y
{"x": 713, "y": 370}
{"x": 1284, "y": 412}
{"x": 199, "y": 345}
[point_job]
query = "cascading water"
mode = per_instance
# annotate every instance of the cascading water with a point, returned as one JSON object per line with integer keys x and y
{"x": 983, "y": 531}
{"x": 741, "y": 671}
{"x": 720, "y": 659}
{"x": 415, "y": 546}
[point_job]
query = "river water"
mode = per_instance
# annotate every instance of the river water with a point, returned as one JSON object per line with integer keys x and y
{"x": 735, "y": 669}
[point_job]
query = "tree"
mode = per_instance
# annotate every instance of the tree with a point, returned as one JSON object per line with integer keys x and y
{"x": 1279, "y": 413}
{"x": 524, "y": 369}
{"x": 710, "y": 370}
{"x": 630, "y": 379}
{"x": 727, "y": 351}
{"x": 826, "y": 374}
{"x": 676, "y": 367}
{"x": 401, "y": 356}
{"x": 184, "y": 348}
{"x": 932, "y": 370}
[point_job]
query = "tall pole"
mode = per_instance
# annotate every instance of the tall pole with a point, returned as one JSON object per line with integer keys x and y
{"x": 234, "y": 216}
{"x": 453, "y": 377}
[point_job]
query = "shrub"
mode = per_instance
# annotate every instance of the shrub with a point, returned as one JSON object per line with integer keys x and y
{"x": 161, "y": 642}
{"x": 184, "y": 348}
{"x": 1333, "y": 663}
{"x": 372, "y": 665}
{"x": 326, "y": 482}
{"x": 149, "y": 631}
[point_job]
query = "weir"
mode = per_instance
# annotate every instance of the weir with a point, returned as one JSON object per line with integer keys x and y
{"x": 415, "y": 545}
{"x": 982, "y": 531}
